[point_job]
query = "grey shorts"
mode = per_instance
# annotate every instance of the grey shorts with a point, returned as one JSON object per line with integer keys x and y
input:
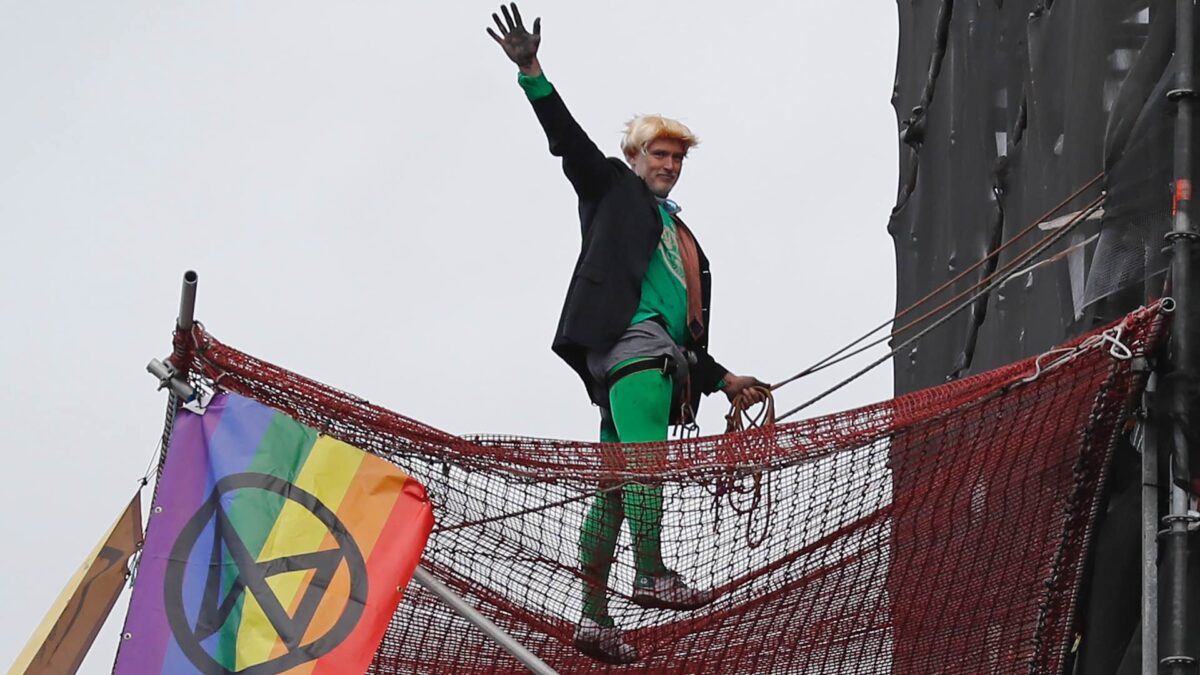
{"x": 646, "y": 339}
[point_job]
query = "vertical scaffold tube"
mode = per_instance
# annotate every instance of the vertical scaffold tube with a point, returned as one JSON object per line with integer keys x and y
{"x": 1150, "y": 516}
{"x": 1173, "y": 644}
{"x": 187, "y": 301}
{"x": 183, "y": 322}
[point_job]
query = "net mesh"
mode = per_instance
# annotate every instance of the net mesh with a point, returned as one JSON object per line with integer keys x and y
{"x": 943, "y": 531}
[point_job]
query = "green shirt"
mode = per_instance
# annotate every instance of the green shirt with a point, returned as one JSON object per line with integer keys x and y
{"x": 664, "y": 287}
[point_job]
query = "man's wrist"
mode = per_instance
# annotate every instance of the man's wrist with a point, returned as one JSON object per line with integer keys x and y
{"x": 531, "y": 69}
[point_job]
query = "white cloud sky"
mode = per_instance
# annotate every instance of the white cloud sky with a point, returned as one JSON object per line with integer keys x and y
{"x": 368, "y": 199}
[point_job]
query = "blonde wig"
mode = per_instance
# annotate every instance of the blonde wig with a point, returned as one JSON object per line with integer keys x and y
{"x": 643, "y": 129}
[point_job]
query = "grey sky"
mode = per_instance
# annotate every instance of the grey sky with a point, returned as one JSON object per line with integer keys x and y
{"x": 368, "y": 199}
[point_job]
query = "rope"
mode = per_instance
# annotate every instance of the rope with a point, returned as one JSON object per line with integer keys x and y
{"x": 740, "y": 418}
{"x": 1052, "y": 259}
{"x": 1019, "y": 260}
{"x": 994, "y": 281}
{"x": 151, "y": 467}
{"x": 832, "y": 359}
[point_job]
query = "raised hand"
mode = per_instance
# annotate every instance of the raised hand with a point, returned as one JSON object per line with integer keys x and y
{"x": 519, "y": 44}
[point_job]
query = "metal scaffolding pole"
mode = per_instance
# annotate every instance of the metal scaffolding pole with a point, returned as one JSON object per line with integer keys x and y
{"x": 443, "y": 593}
{"x": 1173, "y": 642}
{"x": 168, "y": 373}
{"x": 1150, "y": 515}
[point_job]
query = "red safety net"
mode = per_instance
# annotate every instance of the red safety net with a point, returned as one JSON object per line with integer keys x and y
{"x": 945, "y": 531}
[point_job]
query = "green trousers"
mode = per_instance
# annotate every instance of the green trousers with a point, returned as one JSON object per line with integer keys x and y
{"x": 641, "y": 407}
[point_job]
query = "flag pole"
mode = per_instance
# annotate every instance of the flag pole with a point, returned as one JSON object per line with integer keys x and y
{"x": 175, "y": 381}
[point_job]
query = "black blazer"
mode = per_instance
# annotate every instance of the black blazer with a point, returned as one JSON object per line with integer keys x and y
{"x": 621, "y": 229}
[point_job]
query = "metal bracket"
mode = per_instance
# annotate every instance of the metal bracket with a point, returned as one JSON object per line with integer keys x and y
{"x": 1189, "y": 235}
{"x": 1176, "y": 94}
{"x": 1177, "y": 661}
{"x": 168, "y": 379}
{"x": 1189, "y": 517}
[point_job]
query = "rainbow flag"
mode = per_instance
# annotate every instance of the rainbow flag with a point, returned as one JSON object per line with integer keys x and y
{"x": 270, "y": 549}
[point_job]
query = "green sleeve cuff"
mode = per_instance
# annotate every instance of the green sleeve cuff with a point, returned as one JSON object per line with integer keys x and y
{"x": 721, "y": 383}
{"x": 535, "y": 87}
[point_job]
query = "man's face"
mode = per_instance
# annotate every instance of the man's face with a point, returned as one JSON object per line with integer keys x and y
{"x": 660, "y": 164}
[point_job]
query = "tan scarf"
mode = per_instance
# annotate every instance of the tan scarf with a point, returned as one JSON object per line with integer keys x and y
{"x": 689, "y": 256}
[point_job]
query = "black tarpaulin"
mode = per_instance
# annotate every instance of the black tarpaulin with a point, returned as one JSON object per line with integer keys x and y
{"x": 1006, "y": 108}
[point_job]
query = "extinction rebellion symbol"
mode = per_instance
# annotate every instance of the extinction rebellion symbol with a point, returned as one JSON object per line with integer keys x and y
{"x": 218, "y": 574}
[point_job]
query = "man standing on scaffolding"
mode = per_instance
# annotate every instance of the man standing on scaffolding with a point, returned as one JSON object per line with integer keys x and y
{"x": 634, "y": 326}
